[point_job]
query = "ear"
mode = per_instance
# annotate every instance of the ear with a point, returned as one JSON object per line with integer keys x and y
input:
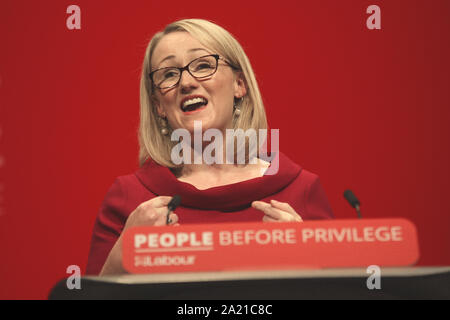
{"x": 240, "y": 85}
{"x": 159, "y": 109}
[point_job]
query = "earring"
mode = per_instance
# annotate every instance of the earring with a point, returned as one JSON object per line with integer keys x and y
{"x": 237, "y": 109}
{"x": 163, "y": 123}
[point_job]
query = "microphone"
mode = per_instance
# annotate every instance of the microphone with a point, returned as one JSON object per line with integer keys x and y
{"x": 173, "y": 204}
{"x": 353, "y": 200}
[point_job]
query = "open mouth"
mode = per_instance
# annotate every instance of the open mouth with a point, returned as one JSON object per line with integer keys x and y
{"x": 193, "y": 104}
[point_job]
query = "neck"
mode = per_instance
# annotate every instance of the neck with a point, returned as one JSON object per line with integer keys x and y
{"x": 219, "y": 167}
{"x": 209, "y": 160}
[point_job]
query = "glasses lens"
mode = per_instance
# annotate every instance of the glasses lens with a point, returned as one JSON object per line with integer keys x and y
{"x": 166, "y": 77}
{"x": 199, "y": 68}
{"x": 203, "y": 67}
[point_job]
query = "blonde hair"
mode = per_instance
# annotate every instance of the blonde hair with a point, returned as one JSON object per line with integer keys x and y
{"x": 152, "y": 143}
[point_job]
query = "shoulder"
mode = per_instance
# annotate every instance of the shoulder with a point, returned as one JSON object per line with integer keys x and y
{"x": 126, "y": 193}
{"x": 308, "y": 176}
{"x": 307, "y": 181}
{"x": 120, "y": 187}
{"x": 128, "y": 183}
{"x": 299, "y": 174}
{"x": 316, "y": 200}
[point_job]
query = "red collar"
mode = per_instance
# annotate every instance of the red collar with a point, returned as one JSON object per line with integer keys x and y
{"x": 161, "y": 181}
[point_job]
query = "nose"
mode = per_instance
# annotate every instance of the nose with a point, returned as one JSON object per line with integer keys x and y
{"x": 187, "y": 81}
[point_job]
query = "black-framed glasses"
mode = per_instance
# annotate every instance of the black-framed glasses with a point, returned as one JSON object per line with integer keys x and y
{"x": 199, "y": 68}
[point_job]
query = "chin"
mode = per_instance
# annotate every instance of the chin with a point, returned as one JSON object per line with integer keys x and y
{"x": 200, "y": 122}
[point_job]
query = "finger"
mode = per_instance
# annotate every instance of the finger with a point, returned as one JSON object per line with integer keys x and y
{"x": 276, "y": 214}
{"x": 260, "y": 204}
{"x": 268, "y": 209}
{"x": 173, "y": 219}
{"x": 159, "y": 202}
{"x": 161, "y": 219}
{"x": 158, "y": 216}
{"x": 284, "y": 206}
{"x": 266, "y": 218}
{"x": 153, "y": 214}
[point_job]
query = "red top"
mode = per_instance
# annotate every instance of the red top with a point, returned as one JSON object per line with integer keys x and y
{"x": 229, "y": 203}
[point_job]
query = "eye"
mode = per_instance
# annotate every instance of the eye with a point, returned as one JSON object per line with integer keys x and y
{"x": 170, "y": 74}
{"x": 204, "y": 64}
{"x": 202, "y": 67}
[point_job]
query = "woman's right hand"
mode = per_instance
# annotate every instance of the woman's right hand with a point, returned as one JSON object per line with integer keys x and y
{"x": 149, "y": 213}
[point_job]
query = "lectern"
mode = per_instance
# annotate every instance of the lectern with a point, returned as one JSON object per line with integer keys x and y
{"x": 396, "y": 283}
{"x": 308, "y": 260}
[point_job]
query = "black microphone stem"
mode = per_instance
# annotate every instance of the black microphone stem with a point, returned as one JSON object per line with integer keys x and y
{"x": 358, "y": 211}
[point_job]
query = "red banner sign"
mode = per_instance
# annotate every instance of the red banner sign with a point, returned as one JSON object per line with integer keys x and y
{"x": 257, "y": 246}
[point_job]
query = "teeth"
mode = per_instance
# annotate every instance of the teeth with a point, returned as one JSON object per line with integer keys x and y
{"x": 193, "y": 101}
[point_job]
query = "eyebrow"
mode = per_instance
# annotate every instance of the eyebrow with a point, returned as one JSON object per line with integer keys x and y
{"x": 172, "y": 56}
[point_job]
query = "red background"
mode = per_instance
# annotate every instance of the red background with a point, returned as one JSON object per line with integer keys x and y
{"x": 364, "y": 109}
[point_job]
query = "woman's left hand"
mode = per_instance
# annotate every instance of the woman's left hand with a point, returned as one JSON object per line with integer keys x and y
{"x": 276, "y": 211}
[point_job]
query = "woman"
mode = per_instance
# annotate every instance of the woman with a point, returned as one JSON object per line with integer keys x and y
{"x": 196, "y": 72}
